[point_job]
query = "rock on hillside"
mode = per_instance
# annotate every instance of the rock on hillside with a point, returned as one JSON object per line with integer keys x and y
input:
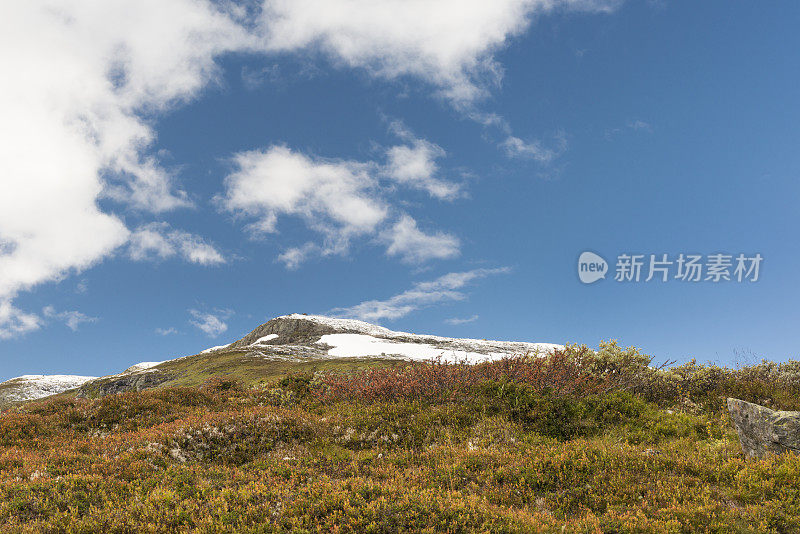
{"x": 763, "y": 431}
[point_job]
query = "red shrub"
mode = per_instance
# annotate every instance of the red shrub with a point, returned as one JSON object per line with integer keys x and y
{"x": 564, "y": 372}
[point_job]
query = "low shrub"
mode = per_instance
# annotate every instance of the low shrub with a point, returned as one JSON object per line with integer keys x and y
{"x": 584, "y": 442}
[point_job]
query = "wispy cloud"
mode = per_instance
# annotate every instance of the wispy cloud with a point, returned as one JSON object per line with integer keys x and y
{"x": 534, "y": 149}
{"x": 73, "y": 319}
{"x": 458, "y": 321}
{"x": 633, "y": 125}
{"x": 640, "y": 125}
{"x": 212, "y": 324}
{"x": 166, "y": 331}
{"x": 158, "y": 241}
{"x": 422, "y": 294}
{"x": 15, "y": 322}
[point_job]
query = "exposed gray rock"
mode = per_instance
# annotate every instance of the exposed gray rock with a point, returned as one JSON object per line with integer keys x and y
{"x": 132, "y": 382}
{"x": 763, "y": 431}
{"x": 289, "y": 330}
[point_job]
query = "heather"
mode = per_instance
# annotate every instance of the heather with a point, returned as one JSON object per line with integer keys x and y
{"x": 581, "y": 441}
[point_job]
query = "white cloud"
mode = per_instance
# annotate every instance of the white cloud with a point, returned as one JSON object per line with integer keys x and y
{"x": 86, "y": 81}
{"x": 422, "y": 294}
{"x": 640, "y": 125}
{"x": 83, "y": 81}
{"x": 446, "y": 43}
{"x": 335, "y": 197}
{"x": 14, "y": 322}
{"x": 414, "y": 246}
{"x": 517, "y": 148}
{"x": 212, "y": 324}
{"x": 415, "y": 166}
{"x": 166, "y": 331}
{"x": 159, "y": 241}
{"x": 459, "y": 321}
{"x": 636, "y": 125}
{"x": 340, "y": 199}
{"x": 73, "y": 319}
{"x": 294, "y": 256}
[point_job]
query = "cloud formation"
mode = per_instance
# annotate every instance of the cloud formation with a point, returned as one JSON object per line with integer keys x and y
{"x": 448, "y": 44}
{"x": 73, "y": 319}
{"x": 15, "y": 322}
{"x": 83, "y": 82}
{"x": 339, "y": 199}
{"x": 86, "y": 80}
{"x": 414, "y": 164}
{"x": 459, "y": 321}
{"x": 212, "y": 324}
{"x": 535, "y": 150}
{"x": 166, "y": 331}
{"x": 422, "y": 294}
{"x": 404, "y": 239}
{"x": 159, "y": 241}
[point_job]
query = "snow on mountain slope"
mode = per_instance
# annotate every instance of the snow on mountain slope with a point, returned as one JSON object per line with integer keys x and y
{"x": 141, "y": 366}
{"x": 362, "y": 345}
{"x": 331, "y": 337}
{"x": 28, "y": 387}
{"x": 213, "y": 349}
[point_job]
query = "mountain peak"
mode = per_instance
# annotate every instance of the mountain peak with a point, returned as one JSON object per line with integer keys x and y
{"x": 322, "y": 336}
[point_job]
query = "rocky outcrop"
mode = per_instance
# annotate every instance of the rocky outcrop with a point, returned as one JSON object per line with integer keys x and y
{"x": 290, "y": 330}
{"x": 120, "y": 384}
{"x": 763, "y": 431}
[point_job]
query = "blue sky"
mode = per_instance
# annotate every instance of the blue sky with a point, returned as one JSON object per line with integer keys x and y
{"x": 164, "y": 193}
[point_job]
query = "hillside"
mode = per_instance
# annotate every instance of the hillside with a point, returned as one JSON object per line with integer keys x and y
{"x": 576, "y": 441}
{"x": 290, "y": 343}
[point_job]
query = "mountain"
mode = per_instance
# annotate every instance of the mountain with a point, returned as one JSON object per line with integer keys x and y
{"x": 286, "y": 344}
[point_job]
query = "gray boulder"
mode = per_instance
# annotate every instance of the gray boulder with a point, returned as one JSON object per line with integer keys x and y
{"x": 763, "y": 431}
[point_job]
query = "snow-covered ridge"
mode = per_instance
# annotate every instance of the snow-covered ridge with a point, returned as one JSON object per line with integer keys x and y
{"x": 351, "y": 338}
{"x": 29, "y": 387}
{"x": 381, "y": 332}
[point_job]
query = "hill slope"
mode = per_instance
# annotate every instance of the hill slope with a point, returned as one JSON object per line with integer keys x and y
{"x": 529, "y": 445}
{"x": 293, "y": 343}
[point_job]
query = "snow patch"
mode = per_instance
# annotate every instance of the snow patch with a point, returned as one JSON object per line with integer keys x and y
{"x": 264, "y": 339}
{"x": 141, "y": 366}
{"x": 212, "y": 349}
{"x": 360, "y": 345}
{"x": 30, "y": 387}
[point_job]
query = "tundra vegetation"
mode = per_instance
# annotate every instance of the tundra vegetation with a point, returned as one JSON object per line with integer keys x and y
{"x": 580, "y": 441}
